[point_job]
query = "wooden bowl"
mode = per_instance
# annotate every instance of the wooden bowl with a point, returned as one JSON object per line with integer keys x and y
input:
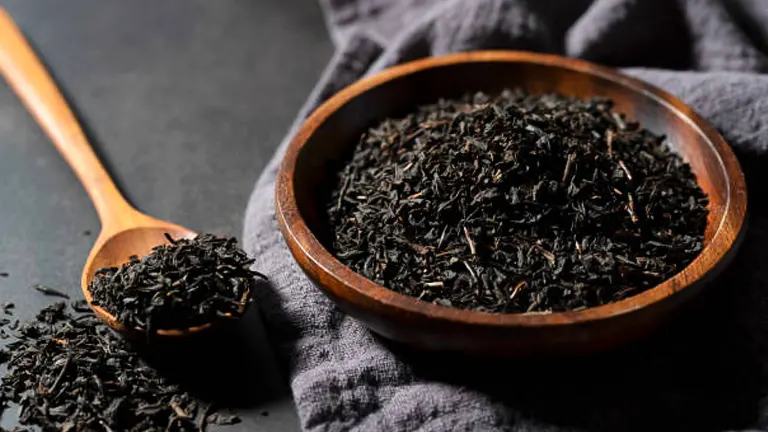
{"x": 306, "y": 175}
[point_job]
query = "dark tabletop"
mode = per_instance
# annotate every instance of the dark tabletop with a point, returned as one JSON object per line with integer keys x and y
{"x": 185, "y": 100}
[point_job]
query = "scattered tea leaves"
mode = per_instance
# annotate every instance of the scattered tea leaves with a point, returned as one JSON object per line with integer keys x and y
{"x": 72, "y": 373}
{"x": 516, "y": 203}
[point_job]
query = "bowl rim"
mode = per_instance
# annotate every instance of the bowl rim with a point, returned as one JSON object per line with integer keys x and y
{"x": 320, "y": 260}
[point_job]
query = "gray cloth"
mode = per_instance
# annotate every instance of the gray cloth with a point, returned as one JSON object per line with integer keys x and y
{"x": 707, "y": 371}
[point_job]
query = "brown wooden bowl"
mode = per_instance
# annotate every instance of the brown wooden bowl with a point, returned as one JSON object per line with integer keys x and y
{"x": 306, "y": 174}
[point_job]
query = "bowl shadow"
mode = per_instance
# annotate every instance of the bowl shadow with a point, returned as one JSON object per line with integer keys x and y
{"x": 700, "y": 373}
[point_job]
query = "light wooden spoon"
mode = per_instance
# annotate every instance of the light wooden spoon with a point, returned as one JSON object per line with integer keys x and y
{"x": 125, "y": 231}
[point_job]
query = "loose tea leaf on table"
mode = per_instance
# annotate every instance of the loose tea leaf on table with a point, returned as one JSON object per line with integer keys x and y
{"x": 186, "y": 283}
{"x": 516, "y": 203}
{"x": 7, "y": 308}
{"x": 50, "y": 291}
{"x": 72, "y": 373}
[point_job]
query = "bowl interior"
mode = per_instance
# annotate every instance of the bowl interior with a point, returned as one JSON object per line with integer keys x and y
{"x": 334, "y": 138}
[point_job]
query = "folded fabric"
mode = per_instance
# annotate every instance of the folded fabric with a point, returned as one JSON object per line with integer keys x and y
{"x": 707, "y": 371}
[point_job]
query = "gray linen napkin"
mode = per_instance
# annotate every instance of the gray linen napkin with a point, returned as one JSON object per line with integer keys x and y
{"x": 708, "y": 371}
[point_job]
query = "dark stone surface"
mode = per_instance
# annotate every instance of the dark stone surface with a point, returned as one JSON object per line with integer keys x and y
{"x": 185, "y": 100}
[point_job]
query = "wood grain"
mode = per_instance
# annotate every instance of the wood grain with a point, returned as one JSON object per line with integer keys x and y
{"x": 306, "y": 173}
{"x": 125, "y": 230}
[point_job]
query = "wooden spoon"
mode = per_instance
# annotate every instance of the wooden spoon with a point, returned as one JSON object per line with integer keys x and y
{"x": 125, "y": 231}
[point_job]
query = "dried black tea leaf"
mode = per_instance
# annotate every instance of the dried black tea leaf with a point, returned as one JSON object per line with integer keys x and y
{"x": 516, "y": 203}
{"x": 186, "y": 283}
{"x": 50, "y": 291}
{"x": 7, "y": 308}
{"x": 80, "y": 306}
{"x": 222, "y": 419}
{"x": 73, "y": 373}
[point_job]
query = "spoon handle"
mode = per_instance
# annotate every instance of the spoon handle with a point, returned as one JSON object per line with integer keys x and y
{"x": 32, "y": 84}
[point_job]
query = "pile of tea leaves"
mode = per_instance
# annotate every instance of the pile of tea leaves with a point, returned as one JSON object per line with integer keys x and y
{"x": 70, "y": 372}
{"x": 186, "y": 283}
{"x": 516, "y": 203}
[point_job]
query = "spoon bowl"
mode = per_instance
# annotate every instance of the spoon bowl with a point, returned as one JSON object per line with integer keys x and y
{"x": 114, "y": 248}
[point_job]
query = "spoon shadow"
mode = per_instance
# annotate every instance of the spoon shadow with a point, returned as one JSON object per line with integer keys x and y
{"x": 231, "y": 367}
